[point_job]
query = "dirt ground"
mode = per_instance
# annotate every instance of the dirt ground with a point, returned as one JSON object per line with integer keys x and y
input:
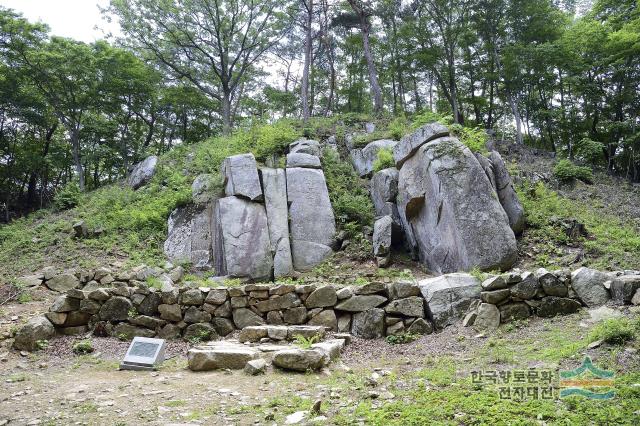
{"x": 56, "y": 387}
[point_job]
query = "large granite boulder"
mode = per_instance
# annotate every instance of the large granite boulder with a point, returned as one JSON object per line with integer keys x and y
{"x": 220, "y": 356}
{"x": 300, "y": 359}
{"x": 274, "y": 182}
{"x": 589, "y": 286}
{"x": 311, "y": 219}
{"x": 299, "y": 159}
{"x": 205, "y": 189}
{"x": 241, "y": 241}
{"x": 409, "y": 144}
{"x": 189, "y": 236}
{"x": 449, "y": 210}
{"x": 142, "y": 172}
{"x": 449, "y": 296}
{"x": 37, "y": 329}
{"x": 241, "y": 179}
{"x": 624, "y": 287}
{"x": 507, "y": 194}
{"x": 363, "y": 159}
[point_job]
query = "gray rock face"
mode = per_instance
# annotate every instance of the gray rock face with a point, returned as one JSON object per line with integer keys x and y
{"x": 243, "y": 317}
{"x": 170, "y": 312}
{"x": 142, "y": 172}
{"x": 274, "y": 182}
{"x": 363, "y": 159}
{"x": 382, "y": 235}
{"x": 115, "y": 309}
{"x": 242, "y": 245}
{"x": 551, "y": 285}
{"x": 495, "y": 296}
{"x": 202, "y": 331}
{"x": 36, "y": 329}
{"x": 420, "y": 326}
{"x": 63, "y": 283}
{"x": 551, "y": 306}
{"x": 462, "y": 216}
{"x": 527, "y": 288}
{"x": 449, "y": 296}
{"x": 311, "y": 219}
{"x": 368, "y": 324}
{"x": 306, "y": 146}
{"x": 204, "y": 189}
{"x": 233, "y": 357}
{"x": 299, "y": 159}
{"x": 128, "y": 331}
{"x": 589, "y": 286}
{"x": 384, "y": 188}
{"x": 409, "y": 307}
{"x": 402, "y": 289}
{"x": 624, "y": 287}
{"x": 409, "y": 144}
{"x": 507, "y": 194}
{"x": 326, "y": 318}
{"x": 361, "y": 303}
{"x": 241, "y": 179}
{"x": 488, "y": 317}
{"x": 189, "y": 236}
{"x": 514, "y": 311}
{"x": 255, "y": 367}
{"x": 300, "y": 359}
{"x": 321, "y": 297}
{"x": 494, "y": 283}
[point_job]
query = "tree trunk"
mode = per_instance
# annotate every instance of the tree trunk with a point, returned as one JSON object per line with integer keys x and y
{"x": 75, "y": 151}
{"x": 226, "y": 111}
{"x": 373, "y": 75}
{"x": 307, "y": 60}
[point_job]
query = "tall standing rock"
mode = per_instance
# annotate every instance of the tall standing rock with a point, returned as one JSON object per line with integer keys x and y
{"x": 450, "y": 212}
{"x": 382, "y": 232}
{"x": 311, "y": 220}
{"x": 384, "y": 189}
{"x": 241, "y": 243}
{"x": 506, "y": 193}
{"x": 189, "y": 236}
{"x": 363, "y": 159}
{"x": 241, "y": 179}
{"x": 274, "y": 182}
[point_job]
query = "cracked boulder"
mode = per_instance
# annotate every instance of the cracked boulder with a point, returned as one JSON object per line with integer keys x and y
{"x": 275, "y": 201}
{"x": 311, "y": 219}
{"x": 450, "y": 212}
{"x": 241, "y": 179}
{"x": 189, "y": 236}
{"x": 142, "y": 172}
{"x": 507, "y": 194}
{"x": 241, "y": 240}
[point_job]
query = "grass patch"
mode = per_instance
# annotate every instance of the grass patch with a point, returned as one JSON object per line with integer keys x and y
{"x": 615, "y": 331}
{"x": 612, "y": 244}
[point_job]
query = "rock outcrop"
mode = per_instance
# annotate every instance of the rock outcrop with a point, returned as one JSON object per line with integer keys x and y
{"x": 450, "y": 212}
{"x": 142, "y": 172}
{"x": 506, "y": 193}
{"x": 363, "y": 159}
{"x": 189, "y": 236}
{"x": 274, "y": 182}
{"x": 311, "y": 219}
{"x": 241, "y": 179}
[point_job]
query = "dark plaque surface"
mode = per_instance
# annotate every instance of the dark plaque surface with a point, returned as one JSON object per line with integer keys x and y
{"x": 143, "y": 349}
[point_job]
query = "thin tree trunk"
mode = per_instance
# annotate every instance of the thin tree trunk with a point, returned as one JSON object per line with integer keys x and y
{"x": 308, "y": 4}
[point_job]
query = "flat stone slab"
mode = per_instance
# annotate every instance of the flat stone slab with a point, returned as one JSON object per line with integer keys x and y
{"x": 222, "y": 355}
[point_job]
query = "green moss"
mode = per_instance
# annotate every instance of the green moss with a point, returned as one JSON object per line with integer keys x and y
{"x": 384, "y": 160}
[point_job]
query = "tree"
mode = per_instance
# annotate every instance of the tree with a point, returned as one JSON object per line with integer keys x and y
{"x": 212, "y": 44}
{"x": 363, "y": 12}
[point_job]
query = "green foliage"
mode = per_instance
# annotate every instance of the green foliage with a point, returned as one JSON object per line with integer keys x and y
{"x": 402, "y": 338}
{"x": 361, "y": 281}
{"x": 266, "y": 140}
{"x": 397, "y": 128}
{"x": 474, "y": 138}
{"x": 67, "y": 197}
{"x": 426, "y": 117}
{"x": 590, "y": 151}
{"x": 42, "y": 345}
{"x": 305, "y": 343}
{"x": 83, "y": 347}
{"x": 348, "y": 194}
{"x": 383, "y": 160}
{"x": 615, "y": 331}
{"x": 613, "y": 243}
{"x": 566, "y": 171}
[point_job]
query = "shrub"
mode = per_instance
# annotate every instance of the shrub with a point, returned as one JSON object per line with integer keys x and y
{"x": 402, "y": 338}
{"x": 615, "y": 331}
{"x": 349, "y": 196}
{"x": 67, "y": 197}
{"x": 266, "y": 140}
{"x": 474, "y": 138}
{"x": 398, "y": 127}
{"x": 426, "y": 117}
{"x": 384, "y": 160}
{"x": 566, "y": 171}
{"x": 590, "y": 151}
{"x": 83, "y": 347}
